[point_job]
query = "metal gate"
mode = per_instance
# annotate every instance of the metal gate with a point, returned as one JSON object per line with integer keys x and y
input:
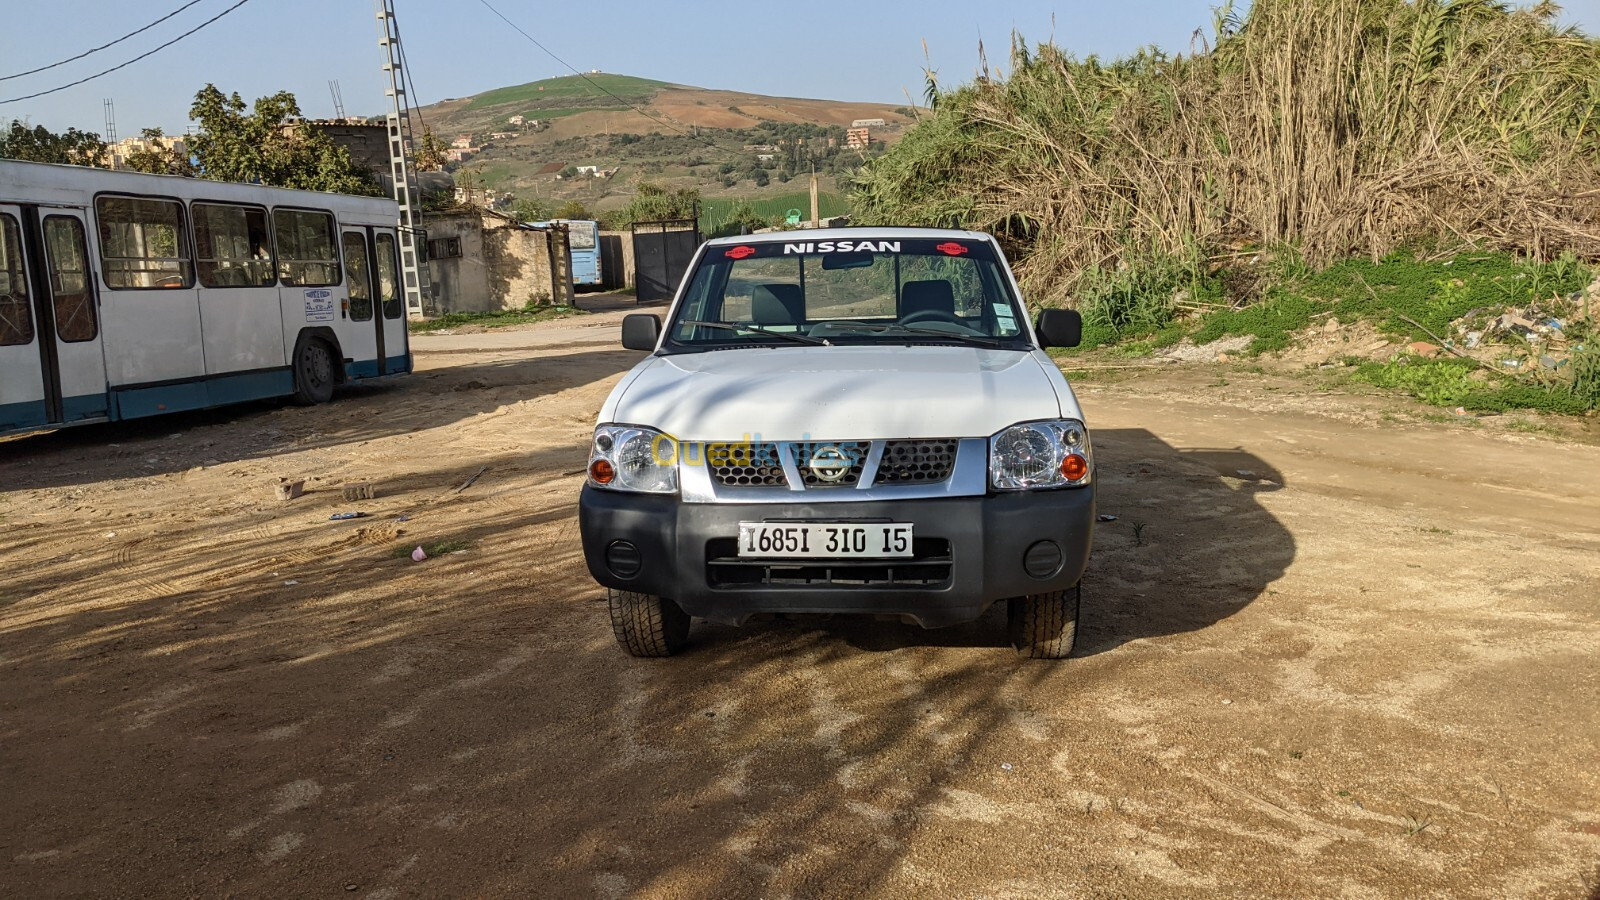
{"x": 661, "y": 253}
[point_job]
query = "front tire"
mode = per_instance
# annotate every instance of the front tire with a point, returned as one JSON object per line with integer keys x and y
{"x": 315, "y": 368}
{"x": 647, "y": 625}
{"x": 1044, "y": 626}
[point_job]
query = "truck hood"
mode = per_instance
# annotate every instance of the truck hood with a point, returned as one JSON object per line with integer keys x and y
{"x": 840, "y": 393}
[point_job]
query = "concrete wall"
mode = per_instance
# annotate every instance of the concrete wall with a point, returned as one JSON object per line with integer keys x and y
{"x": 501, "y": 266}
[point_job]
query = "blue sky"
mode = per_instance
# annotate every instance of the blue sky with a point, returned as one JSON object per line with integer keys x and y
{"x": 861, "y": 50}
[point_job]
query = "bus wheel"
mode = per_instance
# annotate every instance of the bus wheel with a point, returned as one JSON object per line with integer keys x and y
{"x": 313, "y": 372}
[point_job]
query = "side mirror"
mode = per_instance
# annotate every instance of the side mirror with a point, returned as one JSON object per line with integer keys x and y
{"x": 642, "y": 331}
{"x": 1059, "y": 328}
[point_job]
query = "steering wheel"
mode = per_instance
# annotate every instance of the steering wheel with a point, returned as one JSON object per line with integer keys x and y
{"x": 933, "y": 315}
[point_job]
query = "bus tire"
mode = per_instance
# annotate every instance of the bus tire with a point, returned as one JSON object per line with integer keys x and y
{"x": 316, "y": 368}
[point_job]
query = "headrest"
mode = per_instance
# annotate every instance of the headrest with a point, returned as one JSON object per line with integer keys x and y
{"x": 927, "y": 296}
{"x": 777, "y": 304}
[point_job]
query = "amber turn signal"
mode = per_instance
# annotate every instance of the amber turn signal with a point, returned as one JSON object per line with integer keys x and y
{"x": 602, "y": 471}
{"x": 1074, "y": 467}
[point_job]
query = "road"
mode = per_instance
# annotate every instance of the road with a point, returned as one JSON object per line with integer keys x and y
{"x": 1323, "y": 653}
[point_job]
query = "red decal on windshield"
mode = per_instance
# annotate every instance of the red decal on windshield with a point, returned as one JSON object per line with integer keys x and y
{"x": 950, "y": 248}
{"x": 741, "y": 251}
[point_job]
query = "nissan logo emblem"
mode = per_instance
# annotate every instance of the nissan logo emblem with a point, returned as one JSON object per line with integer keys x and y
{"x": 830, "y": 464}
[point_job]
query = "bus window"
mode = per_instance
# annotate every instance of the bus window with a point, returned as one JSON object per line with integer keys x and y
{"x": 142, "y": 243}
{"x": 69, "y": 279}
{"x": 16, "y": 318}
{"x": 355, "y": 271}
{"x": 307, "y": 256}
{"x": 580, "y": 235}
{"x": 232, "y": 246}
{"x": 388, "y": 277}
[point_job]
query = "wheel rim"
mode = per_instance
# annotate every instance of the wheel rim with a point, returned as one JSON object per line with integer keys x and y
{"x": 316, "y": 365}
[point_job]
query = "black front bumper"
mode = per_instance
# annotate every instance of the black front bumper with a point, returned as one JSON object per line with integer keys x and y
{"x": 970, "y": 552}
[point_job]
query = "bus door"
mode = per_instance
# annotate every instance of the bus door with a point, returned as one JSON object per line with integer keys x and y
{"x": 373, "y": 273}
{"x": 51, "y": 352}
{"x": 363, "y": 334}
{"x": 394, "y": 341}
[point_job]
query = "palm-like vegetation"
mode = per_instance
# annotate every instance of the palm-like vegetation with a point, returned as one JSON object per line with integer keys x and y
{"x": 1333, "y": 127}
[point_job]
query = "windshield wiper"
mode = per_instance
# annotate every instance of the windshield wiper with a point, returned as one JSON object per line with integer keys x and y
{"x": 974, "y": 339}
{"x": 786, "y": 335}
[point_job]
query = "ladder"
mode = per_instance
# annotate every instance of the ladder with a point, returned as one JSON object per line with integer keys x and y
{"x": 413, "y": 262}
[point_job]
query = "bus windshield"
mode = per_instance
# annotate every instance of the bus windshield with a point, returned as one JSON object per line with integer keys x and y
{"x": 870, "y": 291}
{"x": 580, "y": 235}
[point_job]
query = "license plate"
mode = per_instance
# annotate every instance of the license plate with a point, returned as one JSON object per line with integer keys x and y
{"x": 823, "y": 540}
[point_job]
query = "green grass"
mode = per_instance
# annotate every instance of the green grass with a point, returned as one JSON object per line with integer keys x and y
{"x": 438, "y": 548}
{"x": 714, "y": 213}
{"x": 1449, "y": 382}
{"x": 571, "y": 88}
{"x": 1433, "y": 293}
{"x": 498, "y": 318}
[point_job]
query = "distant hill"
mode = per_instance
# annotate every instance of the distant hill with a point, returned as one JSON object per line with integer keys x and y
{"x": 639, "y": 128}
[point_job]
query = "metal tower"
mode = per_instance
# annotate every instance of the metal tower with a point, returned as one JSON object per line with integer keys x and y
{"x": 413, "y": 267}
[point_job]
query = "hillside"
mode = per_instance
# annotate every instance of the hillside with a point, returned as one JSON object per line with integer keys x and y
{"x": 676, "y": 135}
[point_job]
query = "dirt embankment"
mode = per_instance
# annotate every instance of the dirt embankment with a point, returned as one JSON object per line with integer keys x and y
{"x": 1323, "y": 654}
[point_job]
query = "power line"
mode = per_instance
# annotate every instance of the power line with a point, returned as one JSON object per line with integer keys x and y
{"x": 595, "y": 84}
{"x": 102, "y": 46}
{"x": 405, "y": 72}
{"x": 131, "y": 61}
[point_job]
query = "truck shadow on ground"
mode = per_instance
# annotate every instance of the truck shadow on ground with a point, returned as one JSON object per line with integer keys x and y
{"x": 361, "y": 411}
{"x": 1190, "y": 546}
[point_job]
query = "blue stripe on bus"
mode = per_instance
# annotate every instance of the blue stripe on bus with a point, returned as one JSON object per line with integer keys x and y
{"x": 199, "y": 394}
{"x": 31, "y": 413}
{"x": 368, "y": 368}
{"x": 16, "y": 416}
{"x": 87, "y": 406}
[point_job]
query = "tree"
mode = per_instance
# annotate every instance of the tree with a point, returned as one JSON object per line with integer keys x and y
{"x": 40, "y": 144}
{"x": 569, "y": 171}
{"x": 430, "y": 153}
{"x": 532, "y": 209}
{"x": 760, "y": 177}
{"x": 571, "y": 209}
{"x": 652, "y": 201}
{"x": 264, "y": 146}
{"x": 159, "y": 158}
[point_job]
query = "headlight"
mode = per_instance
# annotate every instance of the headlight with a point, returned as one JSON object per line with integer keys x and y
{"x": 1040, "y": 455}
{"x": 627, "y": 458}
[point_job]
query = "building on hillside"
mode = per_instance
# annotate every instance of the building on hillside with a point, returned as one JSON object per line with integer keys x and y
{"x": 459, "y": 154}
{"x": 367, "y": 144}
{"x": 121, "y": 150}
{"x": 463, "y": 142}
{"x": 765, "y": 157}
{"x": 761, "y": 148}
{"x": 867, "y": 123}
{"x": 516, "y": 120}
{"x": 858, "y": 138}
{"x": 591, "y": 171}
{"x": 481, "y": 260}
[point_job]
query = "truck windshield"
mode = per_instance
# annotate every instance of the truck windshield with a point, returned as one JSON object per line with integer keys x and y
{"x": 849, "y": 292}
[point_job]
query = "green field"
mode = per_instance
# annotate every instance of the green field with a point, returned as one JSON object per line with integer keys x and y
{"x": 573, "y": 89}
{"x": 716, "y": 212}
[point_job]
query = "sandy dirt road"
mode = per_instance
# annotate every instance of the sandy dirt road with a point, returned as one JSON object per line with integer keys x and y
{"x": 1322, "y": 655}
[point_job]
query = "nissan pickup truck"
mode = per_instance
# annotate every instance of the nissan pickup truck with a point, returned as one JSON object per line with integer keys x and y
{"x": 843, "y": 421}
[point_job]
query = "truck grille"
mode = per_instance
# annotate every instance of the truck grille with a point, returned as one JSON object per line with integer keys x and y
{"x": 745, "y": 464}
{"x": 917, "y": 462}
{"x": 928, "y": 567}
{"x": 850, "y": 456}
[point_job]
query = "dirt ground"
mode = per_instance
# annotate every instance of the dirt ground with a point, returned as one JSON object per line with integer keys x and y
{"x": 1327, "y": 650}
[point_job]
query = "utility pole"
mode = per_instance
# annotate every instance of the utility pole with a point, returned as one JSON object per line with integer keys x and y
{"x": 413, "y": 267}
{"x": 816, "y": 219}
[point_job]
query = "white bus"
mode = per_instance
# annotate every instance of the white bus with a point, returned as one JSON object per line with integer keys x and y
{"x": 125, "y": 295}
